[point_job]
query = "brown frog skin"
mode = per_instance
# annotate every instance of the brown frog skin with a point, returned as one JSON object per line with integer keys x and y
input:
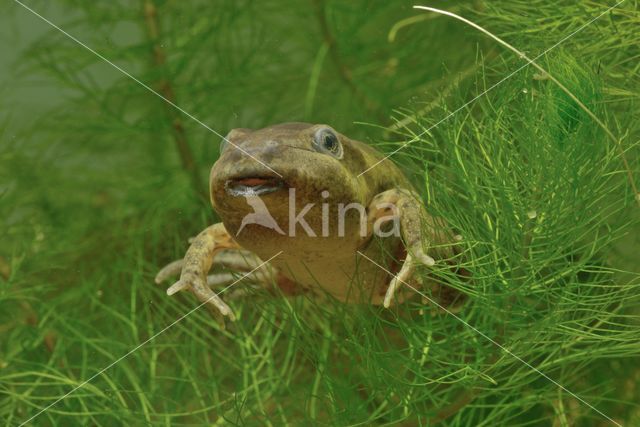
{"x": 318, "y": 170}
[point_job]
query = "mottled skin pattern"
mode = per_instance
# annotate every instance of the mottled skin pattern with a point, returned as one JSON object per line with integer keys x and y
{"x": 327, "y": 263}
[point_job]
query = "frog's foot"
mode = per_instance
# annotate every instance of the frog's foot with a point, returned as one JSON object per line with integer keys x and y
{"x": 417, "y": 229}
{"x": 220, "y": 281}
{"x": 406, "y": 274}
{"x": 195, "y": 266}
{"x": 199, "y": 287}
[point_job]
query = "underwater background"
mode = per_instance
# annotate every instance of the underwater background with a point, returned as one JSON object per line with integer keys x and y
{"x": 102, "y": 182}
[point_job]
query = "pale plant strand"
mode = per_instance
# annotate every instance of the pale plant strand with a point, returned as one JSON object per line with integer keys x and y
{"x": 562, "y": 87}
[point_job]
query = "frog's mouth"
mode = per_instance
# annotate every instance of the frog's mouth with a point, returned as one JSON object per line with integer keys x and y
{"x": 253, "y": 185}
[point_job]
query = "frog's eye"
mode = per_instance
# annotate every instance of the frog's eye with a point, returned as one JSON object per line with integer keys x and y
{"x": 325, "y": 140}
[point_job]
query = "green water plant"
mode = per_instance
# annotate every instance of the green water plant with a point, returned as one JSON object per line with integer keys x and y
{"x": 100, "y": 182}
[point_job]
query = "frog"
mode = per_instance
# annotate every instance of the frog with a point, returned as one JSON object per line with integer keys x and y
{"x": 299, "y": 216}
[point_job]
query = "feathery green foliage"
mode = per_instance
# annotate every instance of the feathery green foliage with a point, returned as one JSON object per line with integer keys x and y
{"x": 101, "y": 183}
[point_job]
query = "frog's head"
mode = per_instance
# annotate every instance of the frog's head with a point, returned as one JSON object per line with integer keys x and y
{"x": 263, "y": 167}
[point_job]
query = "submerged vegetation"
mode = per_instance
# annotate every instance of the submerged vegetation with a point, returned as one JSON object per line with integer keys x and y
{"x": 100, "y": 181}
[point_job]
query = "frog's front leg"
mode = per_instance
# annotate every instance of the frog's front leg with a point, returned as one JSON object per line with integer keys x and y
{"x": 406, "y": 209}
{"x": 225, "y": 253}
{"x": 196, "y": 264}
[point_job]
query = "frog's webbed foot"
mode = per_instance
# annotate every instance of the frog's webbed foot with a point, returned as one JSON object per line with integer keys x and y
{"x": 227, "y": 254}
{"x": 407, "y": 211}
{"x": 195, "y": 266}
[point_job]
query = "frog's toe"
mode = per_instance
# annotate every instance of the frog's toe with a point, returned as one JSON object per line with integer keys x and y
{"x": 220, "y": 279}
{"x": 200, "y": 288}
{"x": 425, "y": 259}
{"x": 180, "y": 285}
{"x": 407, "y": 270}
{"x": 227, "y": 310}
{"x": 219, "y": 307}
{"x": 202, "y": 291}
{"x": 169, "y": 270}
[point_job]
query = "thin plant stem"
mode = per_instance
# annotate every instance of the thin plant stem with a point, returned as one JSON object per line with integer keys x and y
{"x": 344, "y": 71}
{"x": 166, "y": 89}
